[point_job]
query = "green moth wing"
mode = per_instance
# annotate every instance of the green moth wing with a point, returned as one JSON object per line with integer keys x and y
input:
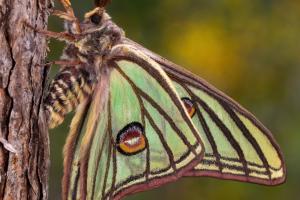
{"x": 136, "y": 134}
{"x": 237, "y": 145}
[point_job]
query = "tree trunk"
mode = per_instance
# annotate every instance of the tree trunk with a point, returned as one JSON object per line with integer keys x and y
{"x": 24, "y": 142}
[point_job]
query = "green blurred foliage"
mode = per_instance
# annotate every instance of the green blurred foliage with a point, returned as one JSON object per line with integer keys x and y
{"x": 249, "y": 49}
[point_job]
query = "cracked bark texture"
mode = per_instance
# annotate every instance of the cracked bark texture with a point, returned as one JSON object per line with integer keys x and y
{"x": 24, "y": 173}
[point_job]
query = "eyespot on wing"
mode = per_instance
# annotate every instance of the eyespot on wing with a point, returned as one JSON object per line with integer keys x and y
{"x": 131, "y": 139}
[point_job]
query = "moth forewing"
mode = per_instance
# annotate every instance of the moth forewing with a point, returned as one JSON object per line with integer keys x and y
{"x": 240, "y": 126}
{"x": 81, "y": 181}
{"x": 153, "y": 89}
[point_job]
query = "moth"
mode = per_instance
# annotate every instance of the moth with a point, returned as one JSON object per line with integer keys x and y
{"x": 142, "y": 121}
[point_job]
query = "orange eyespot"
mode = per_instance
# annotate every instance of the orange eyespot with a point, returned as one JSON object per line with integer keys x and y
{"x": 189, "y": 106}
{"x": 131, "y": 139}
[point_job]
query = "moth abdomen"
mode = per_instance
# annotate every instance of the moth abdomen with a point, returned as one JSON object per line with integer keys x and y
{"x": 68, "y": 89}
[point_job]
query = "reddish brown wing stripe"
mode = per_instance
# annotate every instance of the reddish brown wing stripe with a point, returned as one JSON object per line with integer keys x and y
{"x": 68, "y": 89}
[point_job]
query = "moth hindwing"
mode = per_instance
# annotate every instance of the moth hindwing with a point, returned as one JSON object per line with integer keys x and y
{"x": 142, "y": 121}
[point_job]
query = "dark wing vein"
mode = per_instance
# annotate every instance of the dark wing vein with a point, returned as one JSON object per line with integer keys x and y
{"x": 75, "y": 190}
{"x": 169, "y": 119}
{"x": 225, "y": 130}
{"x": 243, "y": 129}
{"x": 112, "y": 143}
{"x": 163, "y": 141}
{"x": 107, "y": 169}
{"x": 142, "y": 107}
{"x": 97, "y": 164}
{"x": 248, "y": 135}
{"x": 165, "y": 85}
{"x": 210, "y": 139}
{"x": 158, "y": 131}
{"x": 205, "y": 128}
{"x": 164, "y": 114}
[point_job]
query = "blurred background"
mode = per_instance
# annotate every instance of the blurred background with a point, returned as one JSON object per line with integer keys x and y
{"x": 249, "y": 49}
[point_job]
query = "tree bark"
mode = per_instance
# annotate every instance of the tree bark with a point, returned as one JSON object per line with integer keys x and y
{"x": 24, "y": 142}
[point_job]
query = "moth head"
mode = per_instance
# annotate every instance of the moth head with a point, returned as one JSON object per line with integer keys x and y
{"x": 98, "y": 15}
{"x": 95, "y": 20}
{"x": 98, "y": 33}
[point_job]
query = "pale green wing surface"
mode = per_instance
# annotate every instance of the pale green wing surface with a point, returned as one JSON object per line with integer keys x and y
{"x": 136, "y": 135}
{"x": 237, "y": 145}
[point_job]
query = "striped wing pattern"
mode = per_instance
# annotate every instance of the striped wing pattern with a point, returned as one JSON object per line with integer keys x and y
{"x": 132, "y": 88}
{"x": 237, "y": 146}
{"x": 139, "y": 86}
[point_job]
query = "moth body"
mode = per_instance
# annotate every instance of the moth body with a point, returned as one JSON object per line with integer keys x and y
{"x": 73, "y": 84}
{"x": 67, "y": 90}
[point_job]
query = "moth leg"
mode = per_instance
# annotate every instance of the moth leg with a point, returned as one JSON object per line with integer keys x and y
{"x": 63, "y": 15}
{"x": 67, "y": 5}
{"x": 62, "y": 36}
{"x": 68, "y": 15}
{"x": 65, "y": 62}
